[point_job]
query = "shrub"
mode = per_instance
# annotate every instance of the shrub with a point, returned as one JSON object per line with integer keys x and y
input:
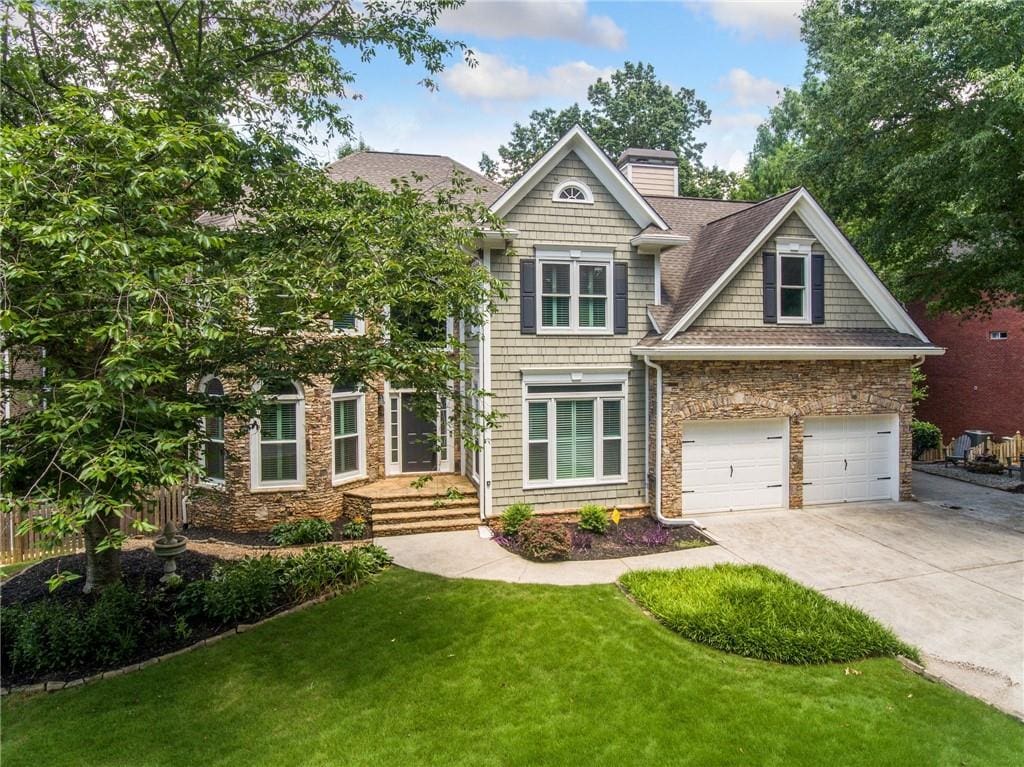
{"x": 544, "y": 539}
{"x": 324, "y": 568}
{"x": 50, "y": 636}
{"x": 514, "y": 516}
{"x": 301, "y": 531}
{"x": 594, "y": 518}
{"x": 243, "y": 591}
{"x": 924, "y": 436}
{"x": 756, "y": 612}
{"x": 354, "y": 528}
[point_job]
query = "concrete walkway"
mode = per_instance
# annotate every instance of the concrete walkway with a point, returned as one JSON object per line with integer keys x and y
{"x": 950, "y": 581}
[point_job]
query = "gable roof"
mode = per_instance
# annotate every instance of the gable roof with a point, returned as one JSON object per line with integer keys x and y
{"x": 577, "y": 140}
{"x": 380, "y": 168}
{"x": 725, "y": 245}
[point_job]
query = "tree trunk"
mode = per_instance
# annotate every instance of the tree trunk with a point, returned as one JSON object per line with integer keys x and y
{"x": 102, "y": 568}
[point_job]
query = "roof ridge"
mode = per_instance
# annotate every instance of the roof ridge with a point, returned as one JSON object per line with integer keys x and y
{"x": 755, "y": 205}
{"x": 702, "y": 199}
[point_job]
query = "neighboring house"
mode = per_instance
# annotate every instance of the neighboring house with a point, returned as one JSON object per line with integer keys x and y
{"x": 979, "y": 383}
{"x": 654, "y": 353}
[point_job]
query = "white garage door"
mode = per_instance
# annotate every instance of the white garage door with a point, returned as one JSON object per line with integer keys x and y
{"x": 851, "y": 458}
{"x": 734, "y": 464}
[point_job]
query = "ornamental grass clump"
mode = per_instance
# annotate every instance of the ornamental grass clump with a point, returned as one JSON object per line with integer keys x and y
{"x": 513, "y": 518}
{"x": 756, "y": 612}
{"x": 301, "y": 531}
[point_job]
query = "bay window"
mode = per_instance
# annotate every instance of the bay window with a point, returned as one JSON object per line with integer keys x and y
{"x": 574, "y": 430}
{"x": 278, "y": 444}
{"x": 348, "y": 432}
{"x": 214, "y": 456}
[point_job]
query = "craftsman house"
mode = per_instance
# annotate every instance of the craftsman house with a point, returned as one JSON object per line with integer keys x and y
{"x": 655, "y": 353}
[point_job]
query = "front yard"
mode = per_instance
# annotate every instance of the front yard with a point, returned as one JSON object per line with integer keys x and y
{"x": 415, "y": 669}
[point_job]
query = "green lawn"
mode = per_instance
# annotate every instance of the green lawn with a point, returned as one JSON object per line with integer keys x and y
{"x": 413, "y": 669}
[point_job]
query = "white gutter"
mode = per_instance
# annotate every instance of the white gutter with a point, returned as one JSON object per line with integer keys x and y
{"x": 661, "y": 240}
{"x": 657, "y": 456}
{"x": 730, "y": 352}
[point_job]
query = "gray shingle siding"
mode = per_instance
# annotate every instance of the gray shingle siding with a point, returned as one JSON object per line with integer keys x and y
{"x": 739, "y": 304}
{"x": 541, "y": 221}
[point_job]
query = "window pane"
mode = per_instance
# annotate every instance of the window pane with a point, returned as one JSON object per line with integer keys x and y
{"x": 612, "y": 458}
{"x": 538, "y": 461}
{"x": 792, "y": 271}
{"x": 612, "y": 416}
{"x": 346, "y": 454}
{"x": 538, "y": 420}
{"x": 345, "y": 322}
{"x": 792, "y": 302}
{"x": 345, "y": 417}
{"x": 214, "y": 388}
{"x": 592, "y": 280}
{"x": 555, "y": 278}
{"x": 278, "y": 462}
{"x": 215, "y": 428}
{"x": 574, "y": 424}
{"x": 213, "y": 460}
{"x": 592, "y": 312}
{"x": 554, "y": 312}
{"x": 277, "y": 421}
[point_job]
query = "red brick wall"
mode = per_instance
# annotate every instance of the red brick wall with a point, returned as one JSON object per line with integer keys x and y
{"x": 977, "y": 383}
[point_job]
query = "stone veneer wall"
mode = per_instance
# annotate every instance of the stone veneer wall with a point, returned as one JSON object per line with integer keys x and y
{"x": 236, "y": 507}
{"x": 766, "y": 389}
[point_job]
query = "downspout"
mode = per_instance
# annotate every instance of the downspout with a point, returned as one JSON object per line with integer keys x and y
{"x": 666, "y": 521}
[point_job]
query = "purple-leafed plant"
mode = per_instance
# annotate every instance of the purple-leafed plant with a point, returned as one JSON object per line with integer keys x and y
{"x": 503, "y": 540}
{"x": 656, "y": 536}
{"x": 582, "y": 541}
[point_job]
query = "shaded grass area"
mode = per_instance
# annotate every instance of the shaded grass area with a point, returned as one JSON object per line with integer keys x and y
{"x": 757, "y": 612}
{"x": 415, "y": 669}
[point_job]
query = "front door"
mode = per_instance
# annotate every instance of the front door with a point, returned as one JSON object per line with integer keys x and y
{"x": 418, "y": 439}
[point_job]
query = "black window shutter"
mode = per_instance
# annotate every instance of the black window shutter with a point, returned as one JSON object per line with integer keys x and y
{"x": 527, "y": 295}
{"x": 770, "y": 288}
{"x": 817, "y": 288}
{"x": 621, "y": 305}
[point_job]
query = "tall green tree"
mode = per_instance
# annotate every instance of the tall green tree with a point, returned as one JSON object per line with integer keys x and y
{"x": 632, "y": 108}
{"x": 154, "y": 233}
{"x": 773, "y": 166}
{"x": 910, "y": 129}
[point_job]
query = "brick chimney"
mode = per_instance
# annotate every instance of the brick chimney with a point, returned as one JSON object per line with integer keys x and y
{"x": 651, "y": 171}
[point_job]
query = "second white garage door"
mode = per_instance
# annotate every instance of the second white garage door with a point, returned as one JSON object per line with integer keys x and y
{"x": 731, "y": 465}
{"x": 851, "y": 458}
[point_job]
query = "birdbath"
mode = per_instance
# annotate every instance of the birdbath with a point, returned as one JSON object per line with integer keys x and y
{"x": 169, "y": 548}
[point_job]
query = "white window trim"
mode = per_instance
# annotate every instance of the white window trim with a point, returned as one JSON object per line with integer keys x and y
{"x": 576, "y": 258}
{"x": 588, "y": 196}
{"x": 256, "y": 485}
{"x": 393, "y": 435}
{"x": 207, "y": 481}
{"x": 805, "y": 318}
{"x": 360, "y": 471}
{"x": 569, "y": 378}
{"x": 998, "y": 335}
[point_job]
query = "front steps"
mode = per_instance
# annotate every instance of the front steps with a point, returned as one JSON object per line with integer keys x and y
{"x": 397, "y": 506}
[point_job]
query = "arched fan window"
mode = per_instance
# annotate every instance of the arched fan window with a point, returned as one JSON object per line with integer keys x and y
{"x": 573, "y": 191}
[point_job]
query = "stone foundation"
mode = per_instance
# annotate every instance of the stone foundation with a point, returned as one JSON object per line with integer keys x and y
{"x": 766, "y": 389}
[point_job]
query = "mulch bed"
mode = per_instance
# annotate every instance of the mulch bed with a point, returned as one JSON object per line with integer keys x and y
{"x": 251, "y": 539}
{"x": 141, "y": 569}
{"x": 630, "y": 538}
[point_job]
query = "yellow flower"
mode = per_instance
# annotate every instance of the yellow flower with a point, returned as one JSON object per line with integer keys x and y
{"x": 616, "y": 516}
{"x": 359, "y": 520}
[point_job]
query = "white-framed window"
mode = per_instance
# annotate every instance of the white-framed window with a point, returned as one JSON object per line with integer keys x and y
{"x": 794, "y": 295}
{"x": 574, "y": 287}
{"x": 348, "y": 432}
{"x": 348, "y": 323}
{"x": 998, "y": 335}
{"x": 574, "y": 429}
{"x": 278, "y": 441}
{"x": 214, "y": 456}
{"x": 573, "y": 191}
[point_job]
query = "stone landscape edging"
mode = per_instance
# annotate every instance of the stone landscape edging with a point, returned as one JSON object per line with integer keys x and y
{"x": 241, "y": 628}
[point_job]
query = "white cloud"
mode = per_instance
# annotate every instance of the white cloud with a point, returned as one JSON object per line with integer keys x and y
{"x": 773, "y": 19}
{"x": 729, "y": 138}
{"x": 537, "y": 19}
{"x": 745, "y": 90}
{"x": 494, "y": 78}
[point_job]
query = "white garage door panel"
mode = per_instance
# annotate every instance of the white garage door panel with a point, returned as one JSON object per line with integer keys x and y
{"x": 850, "y": 458}
{"x": 733, "y": 464}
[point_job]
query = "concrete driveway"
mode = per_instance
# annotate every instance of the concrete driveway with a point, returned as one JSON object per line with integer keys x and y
{"x": 950, "y": 581}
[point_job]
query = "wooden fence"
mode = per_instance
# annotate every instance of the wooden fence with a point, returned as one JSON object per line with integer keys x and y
{"x": 167, "y": 504}
{"x": 1007, "y": 449}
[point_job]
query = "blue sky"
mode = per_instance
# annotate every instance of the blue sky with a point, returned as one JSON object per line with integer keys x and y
{"x": 735, "y": 53}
